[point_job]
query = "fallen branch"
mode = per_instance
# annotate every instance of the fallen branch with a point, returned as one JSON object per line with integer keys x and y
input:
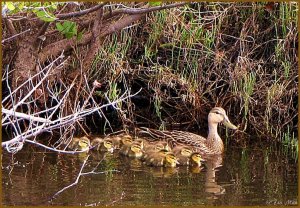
{"x": 61, "y": 122}
{"x": 25, "y": 116}
{"x": 80, "y": 13}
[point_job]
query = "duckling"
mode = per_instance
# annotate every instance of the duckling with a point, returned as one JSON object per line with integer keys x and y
{"x": 79, "y": 144}
{"x": 153, "y": 148}
{"x": 126, "y": 143}
{"x": 159, "y": 145}
{"x": 102, "y": 145}
{"x": 135, "y": 150}
{"x": 118, "y": 140}
{"x": 183, "y": 154}
{"x": 195, "y": 159}
{"x": 142, "y": 142}
{"x": 162, "y": 158}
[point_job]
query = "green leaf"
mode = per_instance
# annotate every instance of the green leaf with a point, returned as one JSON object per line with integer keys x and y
{"x": 68, "y": 29}
{"x": 47, "y": 17}
{"x": 59, "y": 27}
{"x": 21, "y": 6}
{"x": 155, "y": 3}
{"x": 10, "y": 6}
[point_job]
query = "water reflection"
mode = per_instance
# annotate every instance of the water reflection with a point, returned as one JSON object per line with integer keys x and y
{"x": 240, "y": 177}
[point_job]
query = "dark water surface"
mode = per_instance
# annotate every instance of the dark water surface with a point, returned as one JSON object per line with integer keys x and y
{"x": 252, "y": 176}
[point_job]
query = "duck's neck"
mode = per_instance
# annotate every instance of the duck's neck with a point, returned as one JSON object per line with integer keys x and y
{"x": 214, "y": 141}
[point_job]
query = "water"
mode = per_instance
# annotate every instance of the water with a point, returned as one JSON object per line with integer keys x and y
{"x": 252, "y": 176}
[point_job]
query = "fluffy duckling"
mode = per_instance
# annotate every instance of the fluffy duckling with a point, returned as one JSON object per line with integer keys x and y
{"x": 183, "y": 154}
{"x": 156, "y": 147}
{"x": 102, "y": 145}
{"x": 126, "y": 143}
{"x": 142, "y": 142}
{"x": 80, "y": 144}
{"x": 118, "y": 140}
{"x": 195, "y": 159}
{"x": 162, "y": 158}
{"x": 135, "y": 150}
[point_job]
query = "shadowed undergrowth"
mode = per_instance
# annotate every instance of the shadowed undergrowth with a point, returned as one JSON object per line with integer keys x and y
{"x": 186, "y": 60}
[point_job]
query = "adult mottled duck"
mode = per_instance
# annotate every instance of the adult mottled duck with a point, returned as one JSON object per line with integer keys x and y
{"x": 211, "y": 145}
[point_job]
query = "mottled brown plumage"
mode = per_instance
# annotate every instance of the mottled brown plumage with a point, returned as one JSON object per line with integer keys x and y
{"x": 213, "y": 144}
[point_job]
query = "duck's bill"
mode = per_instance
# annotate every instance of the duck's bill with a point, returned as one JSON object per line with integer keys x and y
{"x": 228, "y": 124}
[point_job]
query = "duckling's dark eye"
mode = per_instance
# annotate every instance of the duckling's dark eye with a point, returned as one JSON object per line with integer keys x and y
{"x": 217, "y": 112}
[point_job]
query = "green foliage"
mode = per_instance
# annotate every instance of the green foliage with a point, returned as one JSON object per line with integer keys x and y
{"x": 155, "y": 3}
{"x": 45, "y": 16}
{"x": 43, "y": 10}
{"x": 68, "y": 29}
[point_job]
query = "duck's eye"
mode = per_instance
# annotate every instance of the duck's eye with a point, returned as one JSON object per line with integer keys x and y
{"x": 217, "y": 112}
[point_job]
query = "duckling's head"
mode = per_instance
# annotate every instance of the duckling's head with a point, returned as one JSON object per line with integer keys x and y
{"x": 126, "y": 140}
{"x": 171, "y": 160}
{"x": 136, "y": 148}
{"x": 84, "y": 142}
{"x": 218, "y": 115}
{"x": 139, "y": 141}
{"x": 162, "y": 145}
{"x": 185, "y": 151}
{"x": 107, "y": 143}
{"x": 196, "y": 158}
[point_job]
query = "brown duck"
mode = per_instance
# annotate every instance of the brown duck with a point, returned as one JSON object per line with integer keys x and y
{"x": 211, "y": 145}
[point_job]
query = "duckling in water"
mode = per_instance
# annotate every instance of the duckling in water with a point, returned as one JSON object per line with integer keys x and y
{"x": 80, "y": 144}
{"x": 126, "y": 143}
{"x": 183, "y": 154}
{"x": 144, "y": 143}
{"x": 195, "y": 159}
{"x": 135, "y": 150}
{"x": 118, "y": 140}
{"x": 162, "y": 158}
{"x": 160, "y": 146}
{"x": 102, "y": 145}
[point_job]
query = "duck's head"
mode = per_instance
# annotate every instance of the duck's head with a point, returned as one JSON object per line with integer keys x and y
{"x": 218, "y": 115}
{"x": 196, "y": 158}
{"x": 84, "y": 142}
{"x": 171, "y": 160}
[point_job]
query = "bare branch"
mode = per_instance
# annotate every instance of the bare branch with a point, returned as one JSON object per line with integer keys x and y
{"x": 146, "y": 10}
{"x": 14, "y": 36}
{"x": 83, "y": 12}
{"x": 25, "y": 116}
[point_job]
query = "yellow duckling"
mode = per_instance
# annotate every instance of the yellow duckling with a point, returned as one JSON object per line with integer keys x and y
{"x": 118, "y": 140}
{"x": 183, "y": 154}
{"x": 142, "y": 142}
{"x": 126, "y": 143}
{"x": 80, "y": 144}
{"x": 159, "y": 145}
{"x": 195, "y": 159}
{"x": 162, "y": 158}
{"x": 152, "y": 148}
{"x": 102, "y": 145}
{"x": 135, "y": 150}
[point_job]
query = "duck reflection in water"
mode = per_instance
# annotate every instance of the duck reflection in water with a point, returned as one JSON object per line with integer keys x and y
{"x": 211, "y": 186}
